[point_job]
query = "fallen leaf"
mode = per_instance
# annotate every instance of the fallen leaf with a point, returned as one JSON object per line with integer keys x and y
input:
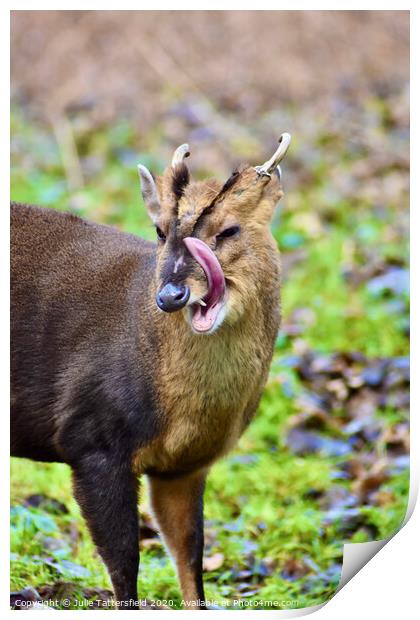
{"x": 67, "y": 568}
{"x": 371, "y": 480}
{"x": 337, "y": 497}
{"x": 307, "y": 442}
{"x": 339, "y": 388}
{"x": 213, "y": 562}
{"x": 396, "y": 281}
{"x": 346, "y": 520}
{"x": 294, "y": 569}
{"x": 396, "y": 440}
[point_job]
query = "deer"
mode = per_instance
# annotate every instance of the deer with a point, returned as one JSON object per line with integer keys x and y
{"x": 132, "y": 358}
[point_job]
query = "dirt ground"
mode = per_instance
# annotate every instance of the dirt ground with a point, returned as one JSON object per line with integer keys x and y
{"x": 226, "y": 82}
{"x": 138, "y": 63}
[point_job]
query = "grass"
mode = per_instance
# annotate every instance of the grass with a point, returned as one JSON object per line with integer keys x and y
{"x": 260, "y": 508}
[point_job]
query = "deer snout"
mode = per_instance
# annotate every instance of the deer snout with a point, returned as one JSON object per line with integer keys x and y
{"x": 173, "y": 297}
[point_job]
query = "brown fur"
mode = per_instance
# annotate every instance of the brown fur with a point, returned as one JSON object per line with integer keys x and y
{"x": 176, "y": 501}
{"x": 202, "y": 376}
{"x": 103, "y": 380}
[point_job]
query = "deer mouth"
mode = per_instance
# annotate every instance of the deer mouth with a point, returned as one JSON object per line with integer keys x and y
{"x": 204, "y": 313}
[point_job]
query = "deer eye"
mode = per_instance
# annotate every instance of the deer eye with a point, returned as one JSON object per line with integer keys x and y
{"x": 228, "y": 232}
{"x": 161, "y": 235}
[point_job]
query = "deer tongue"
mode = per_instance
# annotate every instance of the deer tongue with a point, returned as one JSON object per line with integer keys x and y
{"x": 207, "y": 259}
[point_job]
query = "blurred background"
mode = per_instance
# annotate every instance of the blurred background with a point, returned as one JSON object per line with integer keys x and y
{"x": 326, "y": 460}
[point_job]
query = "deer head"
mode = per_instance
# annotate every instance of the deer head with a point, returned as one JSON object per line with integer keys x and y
{"x": 214, "y": 243}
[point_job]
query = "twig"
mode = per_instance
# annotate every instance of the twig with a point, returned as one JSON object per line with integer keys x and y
{"x": 65, "y": 139}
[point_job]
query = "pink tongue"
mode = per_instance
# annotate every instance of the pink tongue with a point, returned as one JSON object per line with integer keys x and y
{"x": 208, "y": 261}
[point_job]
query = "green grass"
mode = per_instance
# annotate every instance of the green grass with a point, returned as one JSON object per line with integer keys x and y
{"x": 258, "y": 506}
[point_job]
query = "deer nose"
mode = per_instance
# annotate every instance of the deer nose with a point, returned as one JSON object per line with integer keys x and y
{"x": 172, "y": 297}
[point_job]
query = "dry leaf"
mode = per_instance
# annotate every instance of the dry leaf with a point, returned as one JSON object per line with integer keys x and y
{"x": 213, "y": 562}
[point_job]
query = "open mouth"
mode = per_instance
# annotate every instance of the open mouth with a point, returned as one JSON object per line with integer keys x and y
{"x": 205, "y": 312}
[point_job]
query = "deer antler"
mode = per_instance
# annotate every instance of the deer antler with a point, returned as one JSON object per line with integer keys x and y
{"x": 180, "y": 154}
{"x": 270, "y": 165}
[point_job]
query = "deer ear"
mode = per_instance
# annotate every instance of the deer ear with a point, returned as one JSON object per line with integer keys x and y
{"x": 272, "y": 194}
{"x": 274, "y": 189}
{"x": 270, "y": 174}
{"x": 149, "y": 193}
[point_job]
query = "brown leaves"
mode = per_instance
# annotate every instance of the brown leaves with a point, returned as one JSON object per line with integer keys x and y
{"x": 371, "y": 480}
{"x": 295, "y": 569}
{"x": 59, "y": 591}
{"x": 67, "y": 594}
{"x": 337, "y": 416}
{"x": 342, "y": 393}
{"x": 19, "y": 600}
{"x": 396, "y": 440}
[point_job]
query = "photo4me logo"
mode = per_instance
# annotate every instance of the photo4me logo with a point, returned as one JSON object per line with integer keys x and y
{"x": 238, "y": 604}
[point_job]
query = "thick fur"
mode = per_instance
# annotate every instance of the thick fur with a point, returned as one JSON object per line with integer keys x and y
{"x": 106, "y": 382}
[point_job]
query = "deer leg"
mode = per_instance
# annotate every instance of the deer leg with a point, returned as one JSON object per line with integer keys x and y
{"x": 107, "y": 492}
{"x": 178, "y": 507}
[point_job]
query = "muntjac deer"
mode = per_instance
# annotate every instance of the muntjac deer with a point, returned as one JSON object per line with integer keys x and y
{"x": 131, "y": 357}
